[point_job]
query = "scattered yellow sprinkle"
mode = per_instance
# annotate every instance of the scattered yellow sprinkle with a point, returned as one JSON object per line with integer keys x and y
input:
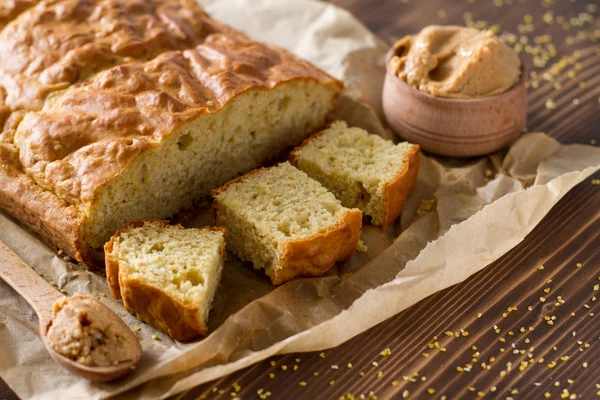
{"x": 236, "y": 387}
{"x": 349, "y": 365}
{"x": 386, "y": 352}
{"x": 550, "y": 104}
{"x": 322, "y": 355}
{"x": 272, "y": 375}
{"x": 459, "y": 369}
{"x": 301, "y": 383}
{"x": 316, "y": 373}
{"x": 273, "y": 363}
{"x": 552, "y": 364}
{"x": 480, "y": 394}
{"x": 547, "y": 395}
{"x": 331, "y": 383}
{"x": 137, "y": 328}
{"x": 547, "y": 290}
{"x": 405, "y": 394}
{"x": 395, "y": 383}
{"x": 154, "y": 337}
{"x": 379, "y": 374}
{"x": 295, "y": 368}
{"x": 542, "y": 299}
{"x": 579, "y": 265}
{"x": 284, "y": 367}
{"x": 584, "y": 365}
{"x": 541, "y": 267}
{"x": 431, "y": 391}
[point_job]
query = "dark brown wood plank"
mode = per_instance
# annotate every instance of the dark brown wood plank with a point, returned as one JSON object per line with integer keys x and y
{"x": 5, "y": 392}
{"x": 570, "y": 234}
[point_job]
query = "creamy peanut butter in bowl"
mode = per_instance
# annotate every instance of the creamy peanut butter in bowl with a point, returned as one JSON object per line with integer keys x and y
{"x": 456, "y": 91}
{"x": 456, "y": 62}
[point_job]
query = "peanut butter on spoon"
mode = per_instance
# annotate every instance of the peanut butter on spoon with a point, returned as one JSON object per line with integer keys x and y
{"x": 83, "y": 335}
{"x": 85, "y": 331}
{"x": 456, "y": 62}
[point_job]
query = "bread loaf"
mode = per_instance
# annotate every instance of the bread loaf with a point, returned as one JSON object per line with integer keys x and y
{"x": 286, "y": 223}
{"x": 119, "y": 109}
{"x": 166, "y": 275}
{"x": 362, "y": 170}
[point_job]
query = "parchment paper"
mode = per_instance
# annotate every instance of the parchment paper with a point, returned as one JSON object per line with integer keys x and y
{"x": 462, "y": 216}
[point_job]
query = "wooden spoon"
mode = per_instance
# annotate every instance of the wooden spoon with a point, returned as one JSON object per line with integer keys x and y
{"x": 41, "y": 297}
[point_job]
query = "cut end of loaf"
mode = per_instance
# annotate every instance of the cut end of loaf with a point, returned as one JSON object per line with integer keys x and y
{"x": 286, "y": 223}
{"x": 362, "y": 170}
{"x": 166, "y": 275}
{"x": 207, "y": 152}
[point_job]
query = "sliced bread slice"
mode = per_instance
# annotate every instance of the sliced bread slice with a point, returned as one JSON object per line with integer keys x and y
{"x": 166, "y": 275}
{"x": 285, "y": 222}
{"x": 362, "y": 170}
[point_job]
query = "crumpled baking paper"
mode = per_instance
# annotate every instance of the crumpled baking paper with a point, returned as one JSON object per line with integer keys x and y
{"x": 463, "y": 215}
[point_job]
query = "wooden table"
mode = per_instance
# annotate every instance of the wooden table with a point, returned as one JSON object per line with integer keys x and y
{"x": 499, "y": 295}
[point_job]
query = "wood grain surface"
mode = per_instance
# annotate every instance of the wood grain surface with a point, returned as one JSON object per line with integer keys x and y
{"x": 432, "y": 341}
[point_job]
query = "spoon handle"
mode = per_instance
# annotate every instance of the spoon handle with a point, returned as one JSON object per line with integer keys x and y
{"x": 31, "y": 286}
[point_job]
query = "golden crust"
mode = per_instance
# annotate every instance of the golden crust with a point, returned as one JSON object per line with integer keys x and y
{"x": 315, "y": 255}
{"x": 398, "y": 189}
{"x": 159, "y": 310}
{"x": 93, "y": 36}
{"x": 151, "y": 304}
{"x": 40, "y": 210}
{"x": 127, "y": 74}
{"x": 111, "y": 262}
{"x": 9, "y": 10}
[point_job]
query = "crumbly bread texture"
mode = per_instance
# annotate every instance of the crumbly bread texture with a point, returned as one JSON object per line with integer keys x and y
{"x": 166, "y": 275}
{"x": 362, "y": 170}
{"x": 143, "y": 108}
{"x": 285, "y": 222}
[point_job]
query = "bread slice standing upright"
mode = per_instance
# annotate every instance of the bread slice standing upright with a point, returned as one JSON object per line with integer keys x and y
{"x": 285, "y": 222}
{"x": 166, "y": 275}
{"x": 362, "y": 170}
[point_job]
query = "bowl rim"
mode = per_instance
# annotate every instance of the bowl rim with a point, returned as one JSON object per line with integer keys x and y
{"x": 417, "y": 92}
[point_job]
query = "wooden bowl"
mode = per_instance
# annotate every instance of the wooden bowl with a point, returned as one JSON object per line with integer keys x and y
{"x": 455, "y": 127}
